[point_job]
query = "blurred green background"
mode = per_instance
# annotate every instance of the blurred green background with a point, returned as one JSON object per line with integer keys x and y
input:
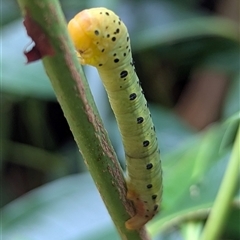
{"x": 187, "y": 57}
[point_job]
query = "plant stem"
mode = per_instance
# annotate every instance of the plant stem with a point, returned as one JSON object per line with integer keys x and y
{"x": 218, "y": 215}
{"x": 44, "y": 20}
{"x": 191, "y": 230}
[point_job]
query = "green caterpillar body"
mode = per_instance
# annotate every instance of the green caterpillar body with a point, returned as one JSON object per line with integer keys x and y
{"x": 102, "y": 40}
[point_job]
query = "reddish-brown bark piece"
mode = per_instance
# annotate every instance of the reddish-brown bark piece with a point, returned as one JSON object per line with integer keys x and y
{"x": 42, "y": 46}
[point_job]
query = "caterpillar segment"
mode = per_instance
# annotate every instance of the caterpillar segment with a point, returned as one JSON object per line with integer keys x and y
{"x": 102, "y": 40}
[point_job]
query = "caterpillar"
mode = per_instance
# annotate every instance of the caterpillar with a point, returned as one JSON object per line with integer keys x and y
{"x": 102, "y": 40}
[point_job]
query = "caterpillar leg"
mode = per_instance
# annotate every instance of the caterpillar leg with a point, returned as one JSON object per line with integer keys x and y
{"x": 141, "y": 217}
{"x": 136, "y": 222}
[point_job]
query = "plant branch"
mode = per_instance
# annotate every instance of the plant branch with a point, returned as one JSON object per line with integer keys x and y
{"x": 46, "y": 25}
{"x": 218, "y": 215}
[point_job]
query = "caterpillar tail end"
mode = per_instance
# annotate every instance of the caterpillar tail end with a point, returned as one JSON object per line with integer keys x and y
{"x": 140, "y": 219}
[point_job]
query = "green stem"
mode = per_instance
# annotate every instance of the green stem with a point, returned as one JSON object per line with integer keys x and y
{"x": 44, "y": 20}
{"x": 218, "y": 215}
{"x": 191, "y": 230}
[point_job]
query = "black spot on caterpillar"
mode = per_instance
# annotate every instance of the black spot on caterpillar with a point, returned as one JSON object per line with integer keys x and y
{"x": 140, "y": 120}
{"x": 154, "y": 197}
{"x": 149, "y": 185}
{"x": 102, "y": 40}
{"x": 132, "y": 96}
{"x": 149, "y": 166}
{"x": 123, "y": 74}
{"x": 146, "y": 143}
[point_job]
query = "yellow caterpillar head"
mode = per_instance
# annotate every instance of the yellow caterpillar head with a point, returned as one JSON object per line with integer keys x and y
{"x": 96, "y": 33}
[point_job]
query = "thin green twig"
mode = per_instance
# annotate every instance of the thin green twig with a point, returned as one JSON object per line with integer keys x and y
{"x": 218, "y": 215}
{"x": 44, "y": 21}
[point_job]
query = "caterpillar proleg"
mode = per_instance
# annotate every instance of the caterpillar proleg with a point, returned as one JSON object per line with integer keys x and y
{"x": 102, "y": 40}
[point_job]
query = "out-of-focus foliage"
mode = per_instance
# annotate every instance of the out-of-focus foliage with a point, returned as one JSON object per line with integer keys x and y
{"x": 171, "y": 40}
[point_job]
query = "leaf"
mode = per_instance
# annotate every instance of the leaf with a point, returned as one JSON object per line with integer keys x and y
{"x": 30, "y": 80}
{"x": 192, "y": 176}
{"x": 42, "y": 44}
{"x": 62, "y": 210}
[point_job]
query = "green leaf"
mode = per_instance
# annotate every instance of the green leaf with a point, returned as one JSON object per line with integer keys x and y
{"x": 63, "y": 210}
{"x": 192, "y": 176}
{"x": 18, "y": 77}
